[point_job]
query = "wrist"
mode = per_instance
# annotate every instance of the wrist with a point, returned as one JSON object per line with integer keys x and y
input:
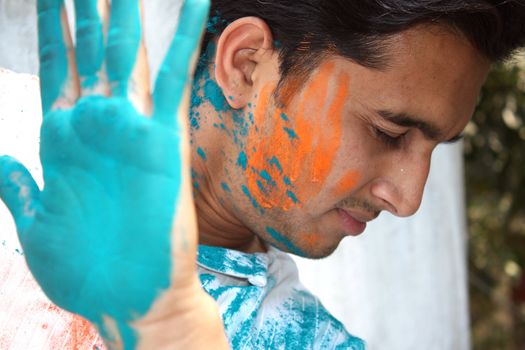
{"x": 182, "y": 320}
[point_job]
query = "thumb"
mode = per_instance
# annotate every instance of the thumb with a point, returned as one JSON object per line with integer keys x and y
{"x": 18, "y": 191}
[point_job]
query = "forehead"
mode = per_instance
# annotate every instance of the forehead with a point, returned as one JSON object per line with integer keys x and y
{"x": 432, "y": 72}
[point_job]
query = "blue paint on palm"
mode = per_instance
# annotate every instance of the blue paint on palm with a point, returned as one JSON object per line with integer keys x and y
{"x": 98, "y": 237}
{"x": 112, "y": 180}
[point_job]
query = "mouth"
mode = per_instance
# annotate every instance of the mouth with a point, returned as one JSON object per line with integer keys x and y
{"x": 353, "y": 224}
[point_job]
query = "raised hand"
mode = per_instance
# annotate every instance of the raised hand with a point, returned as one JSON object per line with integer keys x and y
{"x": 112, "y": 236}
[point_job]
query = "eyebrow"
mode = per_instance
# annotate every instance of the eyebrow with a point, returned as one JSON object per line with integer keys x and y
{"x": 429, "y": 130}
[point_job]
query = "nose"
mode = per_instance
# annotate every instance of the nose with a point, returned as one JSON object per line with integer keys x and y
{"x": 401, "y": 186}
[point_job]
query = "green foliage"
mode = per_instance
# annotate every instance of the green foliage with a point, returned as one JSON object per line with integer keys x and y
{"x": 495, "y": 173}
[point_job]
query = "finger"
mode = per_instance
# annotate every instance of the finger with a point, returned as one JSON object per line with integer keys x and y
{"x": 18, "y": 191}
{"x": 126, "y": 55}
{"x": 175, "y": 74}
{"x": 139, "y": 92}
{"x": 58, "y": 76}
{"x": 90, "y": 16}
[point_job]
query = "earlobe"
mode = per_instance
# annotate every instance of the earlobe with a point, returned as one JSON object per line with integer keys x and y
{"x": 241, "y": 49}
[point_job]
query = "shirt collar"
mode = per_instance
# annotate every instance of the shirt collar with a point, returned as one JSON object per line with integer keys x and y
{"x": 253, "y": 267}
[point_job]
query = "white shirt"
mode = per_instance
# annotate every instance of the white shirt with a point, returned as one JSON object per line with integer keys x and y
{"x": 264, "y": 305}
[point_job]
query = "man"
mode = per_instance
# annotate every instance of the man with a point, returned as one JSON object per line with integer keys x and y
{"x": 307, "y": 119}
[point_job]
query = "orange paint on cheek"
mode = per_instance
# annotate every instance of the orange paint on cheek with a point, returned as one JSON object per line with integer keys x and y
{"x": 330, "y": 134}
{"x": 311, "y": 240}
{"x": 298, "y": 145}
{"x": 347, "y": 183}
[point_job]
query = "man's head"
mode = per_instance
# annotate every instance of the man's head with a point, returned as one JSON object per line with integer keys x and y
{"x": 311, "y": 117}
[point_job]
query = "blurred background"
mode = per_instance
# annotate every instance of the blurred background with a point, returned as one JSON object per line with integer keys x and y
{"x": 450, "y": 278}
{"x": 495, "y": 184}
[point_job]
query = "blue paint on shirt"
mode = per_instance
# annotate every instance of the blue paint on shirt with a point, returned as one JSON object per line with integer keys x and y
{"x": 264, "y": 305}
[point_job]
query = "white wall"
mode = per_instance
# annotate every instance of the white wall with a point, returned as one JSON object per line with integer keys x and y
{"x": 401, "y": 286}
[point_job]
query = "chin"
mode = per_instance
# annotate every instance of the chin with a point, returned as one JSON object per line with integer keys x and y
{"x": 319, "y": 251}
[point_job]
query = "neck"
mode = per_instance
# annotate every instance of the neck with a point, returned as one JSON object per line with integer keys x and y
{"x": 212, "y": 147}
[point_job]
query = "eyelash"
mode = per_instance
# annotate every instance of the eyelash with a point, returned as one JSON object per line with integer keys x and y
{"x": 388, "y": 140}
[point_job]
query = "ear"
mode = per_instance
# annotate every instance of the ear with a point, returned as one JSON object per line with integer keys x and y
{"x": 243, "y": 47}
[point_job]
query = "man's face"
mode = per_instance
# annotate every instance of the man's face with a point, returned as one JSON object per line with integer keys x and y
{"x": 330, "y": 153}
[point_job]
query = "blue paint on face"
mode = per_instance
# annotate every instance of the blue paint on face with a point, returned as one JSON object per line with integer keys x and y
{"x": 201, "y": 153}
{"x": 267, "y": 177}
{"x": 242, "y": 160}
{"x": 287, "y": 181}
{"x": 261, "y": 187}
{"x": 284, "y": 117}
{"x": 291, "y": 133}
{"x": 292, "y": 196}
{"x": 252, "y": 199}
{"x": 225, "y": 187}
{"x": 213, "y": 94}
{"x": 275, "y": 162}
{"x": 196, "y": 102}
{"x": 281, "y": 239}
{"x": 196, "y": 185}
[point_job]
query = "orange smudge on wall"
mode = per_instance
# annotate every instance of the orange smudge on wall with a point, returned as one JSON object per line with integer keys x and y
{"x": 80, "y": 332}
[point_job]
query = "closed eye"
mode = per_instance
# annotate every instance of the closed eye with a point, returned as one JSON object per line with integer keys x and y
{"x": 388, "y": 139}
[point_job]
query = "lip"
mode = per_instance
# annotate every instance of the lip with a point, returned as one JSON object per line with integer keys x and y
{"x": 351, "y": 225}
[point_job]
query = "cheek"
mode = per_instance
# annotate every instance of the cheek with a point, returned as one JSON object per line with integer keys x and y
{"x": 346, "y": 183}
{"x": 290, "y": 152}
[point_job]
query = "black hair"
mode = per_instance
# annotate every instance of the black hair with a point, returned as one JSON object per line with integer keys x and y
{"x": 305, "y": 31}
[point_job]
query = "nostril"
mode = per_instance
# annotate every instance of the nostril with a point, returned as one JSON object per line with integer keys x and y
{"x": 386, "y": 196}
{"x": 390, "y": 207}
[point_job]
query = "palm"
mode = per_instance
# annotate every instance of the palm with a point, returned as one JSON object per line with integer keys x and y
{"x": 113, "y": 230}
{"x": 105, "y": 215}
